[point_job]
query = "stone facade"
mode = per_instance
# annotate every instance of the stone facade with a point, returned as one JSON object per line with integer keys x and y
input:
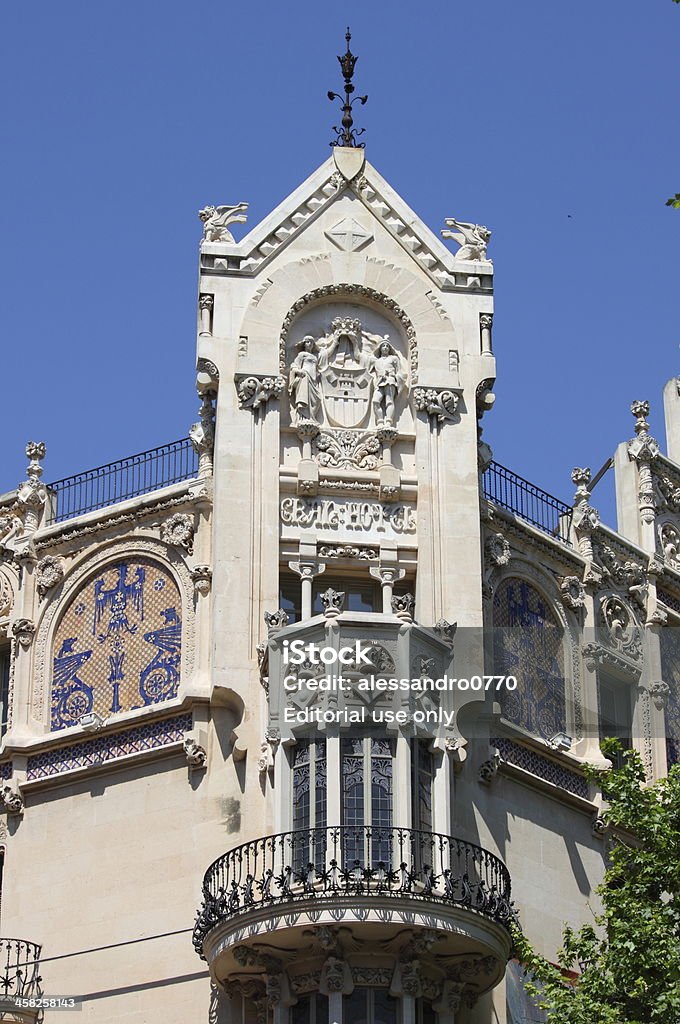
{"x": 335, "y": 491}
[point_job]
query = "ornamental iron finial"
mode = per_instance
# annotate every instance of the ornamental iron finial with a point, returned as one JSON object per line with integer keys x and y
{"x": 347, "y": 135}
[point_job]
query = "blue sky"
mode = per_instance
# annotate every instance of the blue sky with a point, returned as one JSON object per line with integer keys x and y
{"x": 554, "y": 124}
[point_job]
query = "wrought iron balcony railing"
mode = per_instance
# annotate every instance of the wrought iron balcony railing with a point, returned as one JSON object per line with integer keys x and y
{"x": 19, "y": 963}
{"x": 527, "y": 501}
{"x": 317, "y": 864}
{"x": 118, "y": 481}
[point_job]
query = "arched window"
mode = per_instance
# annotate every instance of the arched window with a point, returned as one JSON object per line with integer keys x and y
{"x": 528, "y": 644}
{"x": 118, "y": 643}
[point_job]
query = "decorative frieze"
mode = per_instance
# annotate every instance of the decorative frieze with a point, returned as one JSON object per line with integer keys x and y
{"x": 108, "y": 748}
{"x": 542, "y": 767}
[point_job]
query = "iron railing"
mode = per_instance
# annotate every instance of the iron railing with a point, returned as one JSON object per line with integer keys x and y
{"x": 19, "y": 965}
{"x": 322, "y": 863}
{"x": 118, "y": 481}
{"x": 527, "y": 501}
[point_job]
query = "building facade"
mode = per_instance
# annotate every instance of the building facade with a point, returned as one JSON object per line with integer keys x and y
{"x": 356, "y": 847}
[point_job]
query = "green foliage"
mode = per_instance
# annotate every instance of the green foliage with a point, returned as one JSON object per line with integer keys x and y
{"x": 628, "y": 959}
{"x": 674, "y": 201}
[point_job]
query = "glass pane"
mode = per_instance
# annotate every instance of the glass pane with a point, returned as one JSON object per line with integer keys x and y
{"x": 616, "y": 713}
{"x": 381, "y": 801}
{"x": 384, "y": 1007}
{"x": 352, "y": 768}
{"x": 528, "y": 644}
{"x": 359, "y": 596}
{"x": 355, "y": 1008}
{"x": 290, "y": 599}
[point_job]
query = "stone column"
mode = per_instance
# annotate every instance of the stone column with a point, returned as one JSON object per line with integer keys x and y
{"x": 307, "y": 571}
{"x": 389, "y": 573}
{"x": 206, "y": 303}
{"x": 485, "y": 324}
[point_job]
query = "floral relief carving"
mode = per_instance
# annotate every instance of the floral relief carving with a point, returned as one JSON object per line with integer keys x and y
{"x": 670, "y": 544}
{"x": 439, "y": 403}
{"x": 255, "y": 390}
{"x": 49, "y": 573}
{"x": 573, "y": 592}
{"x": 178, "y": 531}
{"x": 497, "y": 549}
{"x": 340, "y": 449}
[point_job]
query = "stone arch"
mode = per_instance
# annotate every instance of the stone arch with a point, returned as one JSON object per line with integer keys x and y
{"x": 161, "y": 624}
{"x": 397, "y": 290}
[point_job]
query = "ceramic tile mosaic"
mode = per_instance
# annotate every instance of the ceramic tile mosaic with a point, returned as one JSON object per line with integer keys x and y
{"x": 118, "y": 645}
{"x": 102, "y": 749}
{"x": 542, "y": 767}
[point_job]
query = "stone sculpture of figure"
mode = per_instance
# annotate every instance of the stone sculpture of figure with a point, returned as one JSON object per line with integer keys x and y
{"x": 303, "y": 382}
{"x": 472, "y": 238}
{"x": 216, "y": 221}
{"x": 388, "y": 380}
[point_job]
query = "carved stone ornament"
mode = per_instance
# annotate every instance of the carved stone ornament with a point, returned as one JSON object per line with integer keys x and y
{"x": 403, "y": 606}
{"x": 489, "y": 769}
{"x": 11, "y": 800}
{"x": 6, "y": 596}
{"x": 276, "y": 620}
{"x": 472, "y": 239}
{"x": 599, "y": 826}
{"x": 255, "y": 390}
{"x": 497, "y": 549}
{"x": 11, "y": 529}
{"x": 49, "y": 573}
{"x": 350, "y": 292}
{"x": 337, "y": 377}
{"x": 573, "y": 592}
{"x": 216, "y": 221}
{"x": 202, "y": 435}
{"x": 196, "y": 755}
{"x": 440, "y": 403}
{"x": 670, "y": 545}
{"x": 334, "y": 975}
{"x": 202, "y": 578}
{"x": 411, "y": 979}
{"x": 620, "y": 627}
{"x": 23, "y": 630}
{"x": 659, "y": 692}
{"x": 32, "y": 493}
{"x": 347, "y": 449}
{"x": 178, "y": 531}
{"x": 332, "y": 601}
{"x": 348, "y": 551}
{"x": 643, "y": 450}
{"x": 446, "y": 631}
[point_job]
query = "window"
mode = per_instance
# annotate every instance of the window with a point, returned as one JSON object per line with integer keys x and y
{"x": 422, "y": 777}
{"x": 4, "y": 690}
{"x": 310, "y": 1009}
{"x": 360, "y": 595}
{"x": 528, "y": 644}
{"x": 616, "y": 712}
{"x": 309, "y": 804}
{"x": 370, "y": 1006}
{"x": 366, "y": 768}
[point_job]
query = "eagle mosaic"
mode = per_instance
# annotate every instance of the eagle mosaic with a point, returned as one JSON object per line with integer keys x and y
{"x": 118, "y": 645}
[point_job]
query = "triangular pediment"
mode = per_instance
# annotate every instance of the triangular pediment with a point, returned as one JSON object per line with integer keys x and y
{"x": 322, "y": 189}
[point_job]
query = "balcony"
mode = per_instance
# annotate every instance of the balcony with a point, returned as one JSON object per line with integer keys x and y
{"x": 20, "y": 979}
{"x": 283, "y": 904}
